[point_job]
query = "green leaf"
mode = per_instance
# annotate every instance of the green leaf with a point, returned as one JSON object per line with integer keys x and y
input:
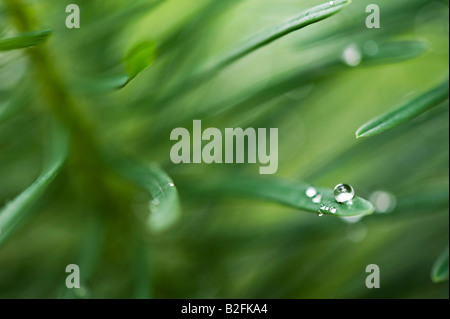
{"x": 439, "y": 272}
{"x": 388, "y": 52}
{"x": 165, "y": 206}
{"x": 302, "y": 20}
{"x": 15, "y": 103}
{"x": 24, "y": 40}
{"x": 289, "y": 193}
{"x": 13, "y": 212}
{"x": 305, "y": 18}
{"x": 139, "y": 58}
{"x": 405, "y": 112}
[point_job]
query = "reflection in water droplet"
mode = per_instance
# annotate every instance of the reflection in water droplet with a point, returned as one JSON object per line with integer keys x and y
{"x": 370, "y": 48}
{"x": 171, "y": 184}
{"x": 384, "y": 202}
{"x": 352, "y": 55}
{"x": 317, "y": 199}
{"x": 311, "y": 192}
{"x": 352, "y": 219}
{"x": 357, "y": 232}
{"x": 344, "y": 193}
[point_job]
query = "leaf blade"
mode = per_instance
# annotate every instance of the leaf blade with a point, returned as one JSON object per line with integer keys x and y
{"x": 305, "y": 18}
{"x": 13, "y": 212}
{"x": 292, "y": 194}
{"x": 440, "y": 270}
{"x": 405, "y": 112}
{"x": 139, "y": 58}
{"x": 24, "y": 40}
{"x": 165, "y": 206}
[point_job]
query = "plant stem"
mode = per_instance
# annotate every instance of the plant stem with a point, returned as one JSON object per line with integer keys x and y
{"x": 92, "y": 174}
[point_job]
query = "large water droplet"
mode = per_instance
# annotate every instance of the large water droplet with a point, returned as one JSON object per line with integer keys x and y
{"x": 352, "y": 55}
{"x": 344, "y": 193}
{"x": 311, "y": 192}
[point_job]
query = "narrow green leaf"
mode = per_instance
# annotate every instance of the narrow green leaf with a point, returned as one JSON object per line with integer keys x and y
{"x": 388, "y": 52}
{"x": 405, "y": 112}
{"x": 13, "y": 212}
{"x": 305, "y": 18}
{"x": 139, "y": 58}
{"x": 24, "y": 40}
{"x": 302, "y": 20}
{"x": 440, "y": 268}
{"x": 165, "y": 206}
{"x": 291, "y": 194}
{"x": 15, "y": 103}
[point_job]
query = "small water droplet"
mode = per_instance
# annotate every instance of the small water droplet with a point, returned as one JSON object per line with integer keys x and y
{"x": 344, "y": 193}
{"x": 333, "y": 210}
{"x": 320, "y": 214}
{"x": 311, "y": 192}
{"x": 352, "y": 55}
{"x": 331, "y": 3}
{"x": 316, "y": 199}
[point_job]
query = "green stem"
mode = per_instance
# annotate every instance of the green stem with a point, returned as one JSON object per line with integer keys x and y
{"x": 92, "y": 174}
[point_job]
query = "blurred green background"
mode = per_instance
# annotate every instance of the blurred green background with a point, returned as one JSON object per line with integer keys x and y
{"x": 223, "y": 246}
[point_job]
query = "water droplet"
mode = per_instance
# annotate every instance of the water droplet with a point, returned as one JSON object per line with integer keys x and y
{"x": 155, "y": 202}
{"x": 311, "y": 192}
{"x": 384, "y": 202}
{"x": 352, "y": 55}
{"x": 370, "y": 48}
{"x": 320, "y": 214}
{"x": 344, "y": 193}
{"x": 171, "y": 184}
{"x": 331, "y": 3}
{"x": 333, "y": 210}
{"x": 316, "y": 199}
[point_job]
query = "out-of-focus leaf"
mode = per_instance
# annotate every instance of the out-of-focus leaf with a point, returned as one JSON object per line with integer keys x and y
{"x": 139, "y": 58}
{"x": 439, "y": 272}
{"x": 24, "y": 40}
{"x": 388, "y": 52}
{"x": 290, "y": 193}
{"x": 405, "y": 112}
{"x": 17, "y": 209}
{"x": 165, "y": 206}
{"x": 14, "y": 104}
{"x": 303, "y": 19}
